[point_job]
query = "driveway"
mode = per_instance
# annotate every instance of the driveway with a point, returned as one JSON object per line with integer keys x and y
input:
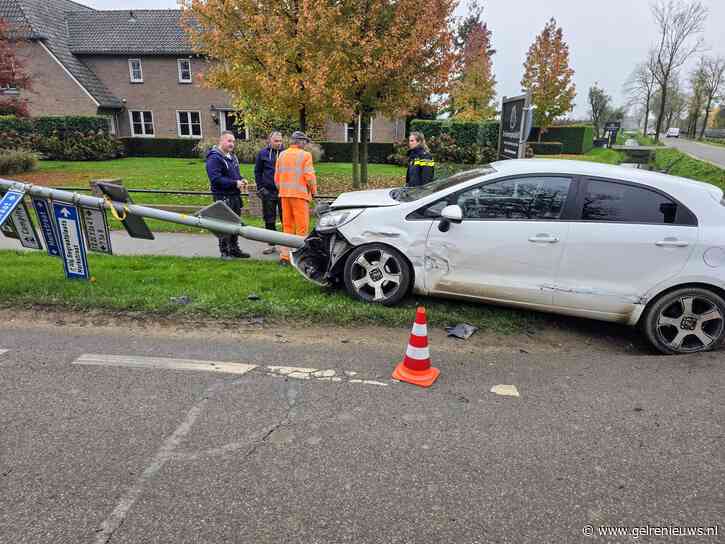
{"x": 707, "y": 152}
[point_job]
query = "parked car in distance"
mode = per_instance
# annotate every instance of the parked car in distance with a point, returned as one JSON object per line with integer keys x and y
{"x": 673, "y": 132}
{"x": 569, "y": 237}
{"x": 651, "y": 132}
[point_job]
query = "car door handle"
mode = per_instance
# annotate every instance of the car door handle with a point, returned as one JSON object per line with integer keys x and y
{"x": 672, "y": 243}
{"x": 543, "y": 239}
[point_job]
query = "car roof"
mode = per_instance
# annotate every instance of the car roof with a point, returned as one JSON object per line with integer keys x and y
{"x": 674, "y": 185}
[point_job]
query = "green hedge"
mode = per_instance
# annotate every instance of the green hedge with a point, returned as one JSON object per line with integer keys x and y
{"x": 464, "y": 134}
{"x": 46, "y": 126}
{"x": 575, "y": 139}
{"x": 184, "y": 148}
{"x": 547, "y": 148}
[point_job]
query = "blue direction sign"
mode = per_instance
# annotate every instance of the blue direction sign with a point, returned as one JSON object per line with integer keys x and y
{"x": 8, "y": 203}
{"x": 47, "y": 226}
{"x": 72, "y": 244}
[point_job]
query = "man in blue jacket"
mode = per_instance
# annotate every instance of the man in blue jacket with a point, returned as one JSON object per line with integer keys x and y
{"x": 264, "y": 168}
{"x": 227, "y": 183}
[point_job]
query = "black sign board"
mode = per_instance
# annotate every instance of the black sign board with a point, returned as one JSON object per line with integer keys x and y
{"x": 515, "y": 127}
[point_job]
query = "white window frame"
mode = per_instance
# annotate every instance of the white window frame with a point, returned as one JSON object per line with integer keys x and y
{"x": 359, "y": 131}
{"x": 223, "y": 124}
{"x": 178, "y": 125}
{"x": 191, "y": 73}
{"x": 143, "y": 124}
{"x": 130, "y": 70}
{"x": 112, "y": 128}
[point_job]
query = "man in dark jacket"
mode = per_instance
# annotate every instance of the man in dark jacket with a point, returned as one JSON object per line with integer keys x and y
{"x": 226, "y": 183}
{"x": 264, "y": 168}
{"x": 420, "y": 161}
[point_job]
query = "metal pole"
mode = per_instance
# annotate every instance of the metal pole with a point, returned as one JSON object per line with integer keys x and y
{"x": 250, "y": 233}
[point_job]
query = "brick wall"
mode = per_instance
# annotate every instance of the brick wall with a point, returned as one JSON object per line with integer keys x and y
{"x": 160, "y": 92}
{"x": 54, "y": 92}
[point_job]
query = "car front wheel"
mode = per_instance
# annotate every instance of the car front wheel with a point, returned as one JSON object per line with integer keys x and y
{"x": 377, "y": 273}
{"x": 687, "y": 320}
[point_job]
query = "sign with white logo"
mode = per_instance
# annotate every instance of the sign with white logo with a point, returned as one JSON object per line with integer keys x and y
{"x": 47, "y": 226}
{"x": 24, "y": 226}
{"x": 72, "y": 243}
{"x": 8, "y": 203}
{"x": 96, "y": 229}
{"x": 515, "y": 126}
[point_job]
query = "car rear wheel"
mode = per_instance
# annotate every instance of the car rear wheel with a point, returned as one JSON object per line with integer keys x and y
{"x": 687, "y": 320}
{"x": 377, "y": 273}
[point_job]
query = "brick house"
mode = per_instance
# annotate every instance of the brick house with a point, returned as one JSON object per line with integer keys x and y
{"x": 135, "y": 67}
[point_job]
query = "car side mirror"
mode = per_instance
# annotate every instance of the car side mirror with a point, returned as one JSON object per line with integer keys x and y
{"x": 453, "y": 213}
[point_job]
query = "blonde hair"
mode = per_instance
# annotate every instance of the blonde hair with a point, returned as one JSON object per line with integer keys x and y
{"x": 420, "y": 139}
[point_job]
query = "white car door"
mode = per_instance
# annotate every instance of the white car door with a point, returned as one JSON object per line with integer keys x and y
{"x": 508, "y": 244}
{"x": 628, "y": 239}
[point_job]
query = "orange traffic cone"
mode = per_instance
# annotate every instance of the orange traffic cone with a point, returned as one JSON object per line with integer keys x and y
{"x": 415, "y": 367}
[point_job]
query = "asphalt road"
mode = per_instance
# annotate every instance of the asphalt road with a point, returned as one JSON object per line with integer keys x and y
{"x": 708, "y": 152}
{"x": 603, "y": 433}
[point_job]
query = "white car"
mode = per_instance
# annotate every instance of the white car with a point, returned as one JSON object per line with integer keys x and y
{"x": 570, "y": 237}
{"x": 673, "y": 132}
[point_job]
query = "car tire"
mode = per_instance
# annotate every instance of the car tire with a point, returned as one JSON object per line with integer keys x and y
{"x": 686, "y": 320}
{"x": 377, "y": 273}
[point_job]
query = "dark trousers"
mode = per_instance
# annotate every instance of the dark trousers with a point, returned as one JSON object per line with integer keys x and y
{"x": 230, "y": 242}
{"x": 271, "y": 209}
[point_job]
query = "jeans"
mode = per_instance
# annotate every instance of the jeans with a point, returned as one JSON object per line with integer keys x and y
{"x": 271, "y": 209}
{"x": 229, "y": 242}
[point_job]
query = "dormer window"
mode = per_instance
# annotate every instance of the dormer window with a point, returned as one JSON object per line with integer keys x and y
{"x": 135, "y": 71}
{"x": 184, "y": 70}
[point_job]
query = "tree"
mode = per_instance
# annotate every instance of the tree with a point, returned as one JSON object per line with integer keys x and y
{"x": 713, "y": 83}
{"x": 675, "y": 101}
{"x": 548, "y": 76}
{"x": 266, "y": 55}
{"x": 13, "y": 77}
{"x": 599, "y": 102}
{"x": 640, "y": 87}
{"x": 680, "y": 25}
{"x": 696, "y": 101}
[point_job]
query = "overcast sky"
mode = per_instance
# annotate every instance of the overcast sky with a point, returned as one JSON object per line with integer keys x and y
{"x": 605, "y": 41}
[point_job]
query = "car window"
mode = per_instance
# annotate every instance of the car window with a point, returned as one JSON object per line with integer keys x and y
{"x": 539, "y": 197}
{"x": 409, "y": 194}
{"x": 611, "y": 201}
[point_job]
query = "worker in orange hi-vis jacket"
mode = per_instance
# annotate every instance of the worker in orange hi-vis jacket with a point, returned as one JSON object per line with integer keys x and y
{"x": 295, "y": 179}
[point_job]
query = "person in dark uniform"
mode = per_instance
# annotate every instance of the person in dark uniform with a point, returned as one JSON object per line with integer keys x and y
{"x": 420, "y": 161}
{"x": 222, "y": 167}
{"x": 264, "y": 168}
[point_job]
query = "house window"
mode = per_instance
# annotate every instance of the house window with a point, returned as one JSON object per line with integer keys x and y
{"x": 142, "y": 123}
{"x": 350, "y": 131}
{"x": 184, "y": 70}
{"x": 188, "y": 124}
{"x": 111, "y": 117}
{"x": 228, "y": 120}
{"x": 135, "y": 71}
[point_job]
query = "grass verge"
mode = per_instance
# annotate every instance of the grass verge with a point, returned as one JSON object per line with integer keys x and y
{"x": 220, "y": 290}
{"x": 681, "y": 164}
{"x": 597, "y": 154}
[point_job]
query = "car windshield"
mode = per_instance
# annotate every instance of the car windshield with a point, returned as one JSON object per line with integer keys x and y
{"x": 409, "y": 194}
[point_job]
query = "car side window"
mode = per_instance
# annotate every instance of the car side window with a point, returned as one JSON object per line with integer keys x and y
{"x": 620, "y": 202}
{"x": 528, "y": 198}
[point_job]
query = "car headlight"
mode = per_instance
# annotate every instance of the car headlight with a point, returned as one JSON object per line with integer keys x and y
{"x": 333, "y": 220}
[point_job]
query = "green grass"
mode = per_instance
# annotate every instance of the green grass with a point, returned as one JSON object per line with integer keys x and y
{"x": 597, "y": 154}
{"x": 688, "y": 167}
{"x": 219, "y": 290}
{"x": 714, "y": 141}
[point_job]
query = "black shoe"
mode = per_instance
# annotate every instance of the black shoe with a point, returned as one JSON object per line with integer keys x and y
{"x": 238, "y": 253}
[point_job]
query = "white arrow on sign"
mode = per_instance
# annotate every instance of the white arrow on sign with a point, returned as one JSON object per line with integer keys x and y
{"x": 64, "y": 212}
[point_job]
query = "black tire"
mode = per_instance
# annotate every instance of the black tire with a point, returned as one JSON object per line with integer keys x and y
{"x": 385, "y": 284}
{"x": 686, "y": 320}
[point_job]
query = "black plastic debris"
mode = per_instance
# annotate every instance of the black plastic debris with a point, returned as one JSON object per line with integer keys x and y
{"x": 253, "y": 296}
{"x": 463, "y": 331}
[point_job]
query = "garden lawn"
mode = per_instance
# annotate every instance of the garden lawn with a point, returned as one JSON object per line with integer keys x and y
{"x": 148, "y": 284}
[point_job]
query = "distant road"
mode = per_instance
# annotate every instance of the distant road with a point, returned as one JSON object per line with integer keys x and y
{"x": 707, "y": 152}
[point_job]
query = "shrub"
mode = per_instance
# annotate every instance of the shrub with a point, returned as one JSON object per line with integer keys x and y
{"x": 78, "y": 146}
{"x": 378, "y": 152}
{"x": 575, "y": 139}
{"x": 47, "y": 126}
{"x": 399, "y": 155}
{"x": 547, "y": 148}
{"x": 247, "y": 150}
{"x": 464, "y": 134}
{"x": 17, "y": 161}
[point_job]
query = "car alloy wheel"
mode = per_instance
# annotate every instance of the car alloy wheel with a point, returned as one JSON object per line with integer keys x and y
{"x": 377, "y": 273}
{"x": 687, "y": 321}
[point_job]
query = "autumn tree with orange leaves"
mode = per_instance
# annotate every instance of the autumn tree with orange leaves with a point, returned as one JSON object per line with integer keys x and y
{"x": 473, "y": 93}
{"x": 13, "y": 77}
{"x": 548, "y": 76}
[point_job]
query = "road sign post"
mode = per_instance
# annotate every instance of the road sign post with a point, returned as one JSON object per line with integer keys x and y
{"x": 95, "y": 226}
{"x": 47, "y": 226}
{"x": 8, "y": 203}
{"x": 72, "y": 244}
{"x": 24, "y": 227}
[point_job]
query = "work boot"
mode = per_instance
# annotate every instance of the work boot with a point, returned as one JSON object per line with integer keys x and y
{"x": 237, "y": 253}
{"x": 269, "y": 250}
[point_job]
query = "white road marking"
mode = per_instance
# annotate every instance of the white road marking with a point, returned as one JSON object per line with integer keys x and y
{"x": 95, "y": 359}
{"x": 505, "y": 390}
{"x": 327, "y": 375}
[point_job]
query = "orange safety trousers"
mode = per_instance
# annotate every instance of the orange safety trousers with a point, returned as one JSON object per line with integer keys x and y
{"x": 295, "y": 220}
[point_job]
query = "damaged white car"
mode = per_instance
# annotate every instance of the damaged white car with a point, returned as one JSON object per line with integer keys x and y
{"x": 570, "y": 237}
